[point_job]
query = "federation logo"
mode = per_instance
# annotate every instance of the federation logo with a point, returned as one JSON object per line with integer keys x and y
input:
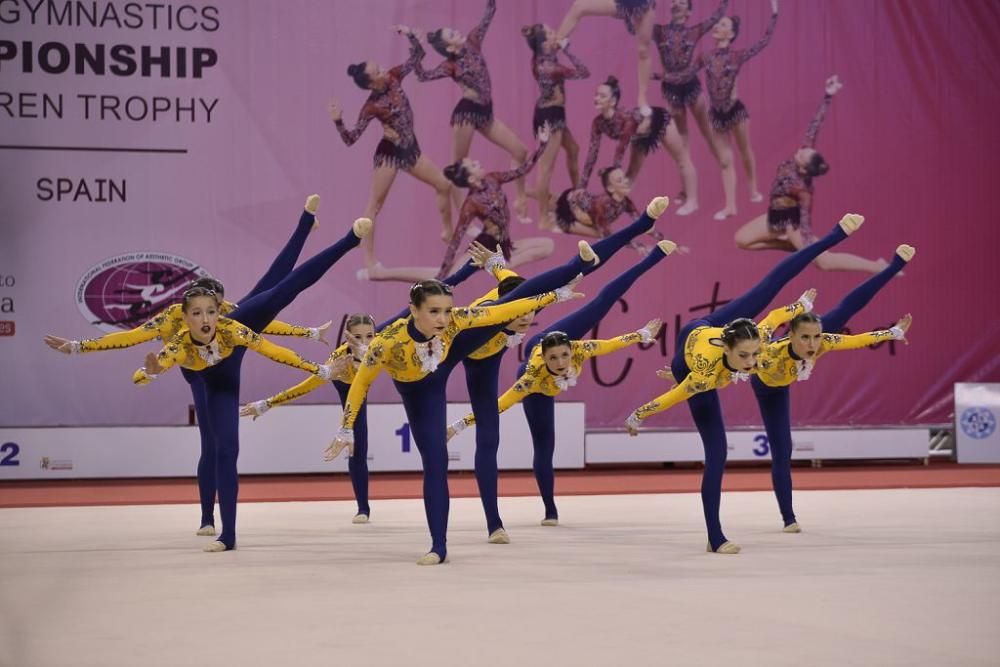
{"x": 124, "y": 291}
{"x": 978, "y": 422}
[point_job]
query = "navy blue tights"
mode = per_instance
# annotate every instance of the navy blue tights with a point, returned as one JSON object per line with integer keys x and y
{"x": 280, "y": 267}
{"x": 539, "y": 409}
{"x": 775, "y": 402}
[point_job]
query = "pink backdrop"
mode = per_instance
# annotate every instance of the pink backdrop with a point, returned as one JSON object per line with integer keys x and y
{"x": 911, "y": 140}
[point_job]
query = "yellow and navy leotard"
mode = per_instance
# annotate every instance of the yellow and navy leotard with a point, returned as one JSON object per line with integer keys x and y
{"x": 538, "y": 379}
{"x": 169, "y": 322}
{"x": 705, "y": 359}
{"x": 405, "y": 360}
{"x": 229, "y": 334}
{"x": 777, "y": 367}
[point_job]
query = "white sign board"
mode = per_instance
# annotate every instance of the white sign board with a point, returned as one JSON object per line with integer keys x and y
{"x": 825, "y": 444}
{"x": 288, "y": 439}
{"x": 977, "y": 409}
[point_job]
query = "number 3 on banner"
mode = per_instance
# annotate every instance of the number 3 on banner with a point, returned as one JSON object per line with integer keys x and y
{"x": 765, "y": 447}
{"x": 404, "y": 434}
{"x": 11, "y": 450}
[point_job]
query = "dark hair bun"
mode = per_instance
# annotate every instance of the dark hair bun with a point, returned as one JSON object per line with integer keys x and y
{"x": 354, "y": 70}
{"x": 612, "y": 81}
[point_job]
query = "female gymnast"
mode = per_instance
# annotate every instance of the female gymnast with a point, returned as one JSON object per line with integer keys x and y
{"x": 387, "y": 102}
{"x": 482, "y": 367}
{"x": 555, "y": 363}
{"x": 792, "y": 358}
{"x": 168, "y": 322}
{"x": 724, "y": 347}
{"x": 359, "y": 331}
{"x": 728, "y": 114}
{"x": 465, "y": 65}
{"x": 644, "y": 134}
{"x": 419, "y": 353}
{"x": 550, "y": 108}
{"x": 214, "y": 346}
{"x": 676, "y": 42}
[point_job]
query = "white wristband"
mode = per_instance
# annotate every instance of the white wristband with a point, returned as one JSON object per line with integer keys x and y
{"x": 261, "y": 406}
{"x": 151, "y": 376}
{"x": 74, "y": 347}
{"x": 495, "y": 261}
{"x": 564, "y": 293}
{"x": 313, "y": 333}
{"x": 806, "y": 303}
{"x": 347, "y": 435}
{"x": 645, "y": 335}
{"x": 633, "y": 421}
{"x": 897, "y": 333}
{"x": 325, "y": 371}
{"x": 459, "y": 426}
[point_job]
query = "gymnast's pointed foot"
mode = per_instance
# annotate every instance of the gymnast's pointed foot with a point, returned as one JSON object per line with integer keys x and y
{"x": 499, "y": 536}
{"x": 431, "y": 558}
{"x": 851, "y": 222}
{"x": 362, "y": 227}
{"x": 666, "y": 247}
{"x": 726, "y": 547}
{"x": 657, "y": 206}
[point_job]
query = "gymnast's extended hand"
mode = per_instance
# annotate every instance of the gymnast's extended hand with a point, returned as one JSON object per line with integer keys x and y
{"x": 904, "y": 325}
{"x": 480, "y": 254}
{"x": 344, "y": 439}
{"x": 321, "y": 332}
{"x": 58, "y": 344}
{"x": 153, "y": 366}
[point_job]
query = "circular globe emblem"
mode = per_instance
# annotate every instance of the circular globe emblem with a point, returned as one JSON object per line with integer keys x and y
{"x": 124, "y": 291}
{"x": 978, "y": 422}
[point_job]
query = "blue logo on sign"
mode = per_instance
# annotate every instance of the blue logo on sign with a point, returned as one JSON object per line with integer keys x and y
{"x": 978, "y": 422}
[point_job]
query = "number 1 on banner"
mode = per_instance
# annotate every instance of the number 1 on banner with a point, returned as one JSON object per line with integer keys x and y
{"x": 404, "y": 434}
{"x": 765, "y": 445}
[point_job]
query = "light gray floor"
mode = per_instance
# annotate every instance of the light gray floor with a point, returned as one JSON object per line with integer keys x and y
{"x": 902, "y": 577}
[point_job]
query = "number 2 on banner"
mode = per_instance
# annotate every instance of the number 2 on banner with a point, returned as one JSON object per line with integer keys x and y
{"x": 404, "y": 434}
{"x": 11, "y": 450}
{"x": 765, "y": 446}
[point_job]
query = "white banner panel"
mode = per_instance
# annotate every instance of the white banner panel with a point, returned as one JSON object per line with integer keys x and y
{"x": 288, "y": 439}
{"x": 977, "y": 406}
{"x": 679, "y": 446}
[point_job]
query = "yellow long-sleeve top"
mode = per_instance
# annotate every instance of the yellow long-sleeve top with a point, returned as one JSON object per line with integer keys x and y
{"x": 229, "y": 334}
{"x": 499, "y": 342}
{"x": 705, "y": 358}
{"x": 169, "y": 322}
{"x": 538, "y": 379}
{"x": 778, "y": 367}
{"x": 314, "y": 381}
{"x": 408, "y": 360}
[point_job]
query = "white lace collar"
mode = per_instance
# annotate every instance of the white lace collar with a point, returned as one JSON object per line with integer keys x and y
{"x": 740, "y": 376}
{"x": 803, "y": 369}
{"x": 210, "y": 352}
{"x": 430, "y": 354}
{"x": 564, "y": 382}
{"x": 514, "y": 339}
